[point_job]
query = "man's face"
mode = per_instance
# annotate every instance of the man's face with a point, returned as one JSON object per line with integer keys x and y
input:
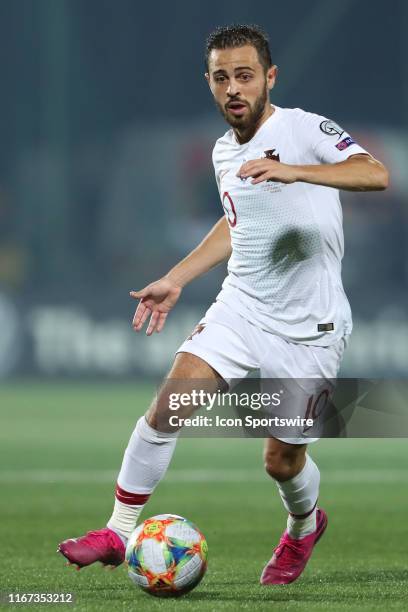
{"x": 239, "y": 85}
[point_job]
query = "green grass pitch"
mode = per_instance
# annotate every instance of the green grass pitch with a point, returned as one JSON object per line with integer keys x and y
{"x": 61, "y": 446}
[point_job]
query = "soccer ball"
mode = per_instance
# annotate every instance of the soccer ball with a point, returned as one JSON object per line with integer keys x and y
{"x": 166, "y": 555}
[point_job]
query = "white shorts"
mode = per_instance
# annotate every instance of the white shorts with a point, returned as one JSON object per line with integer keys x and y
{"x": 234, "y": 347}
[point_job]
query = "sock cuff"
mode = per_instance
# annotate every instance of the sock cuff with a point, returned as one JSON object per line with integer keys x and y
{"x": 151, "y": 435}
{"x": 129, "y": 498}
{"x": 305, "y": 515}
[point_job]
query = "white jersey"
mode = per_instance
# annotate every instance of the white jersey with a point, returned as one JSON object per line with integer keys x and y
{"x": 284, "y": 274}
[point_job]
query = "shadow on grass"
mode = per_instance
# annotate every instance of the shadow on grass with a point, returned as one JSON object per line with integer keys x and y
{"x": 326, "y": 587}
{"x": 352, "y": 587}
{"x": 351, "y": 576}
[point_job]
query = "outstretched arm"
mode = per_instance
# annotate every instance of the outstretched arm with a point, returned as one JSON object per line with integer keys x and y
{"x": 359, "y": 172}
{"x": 213, "y": 250}
{"x": 157, "y": 299}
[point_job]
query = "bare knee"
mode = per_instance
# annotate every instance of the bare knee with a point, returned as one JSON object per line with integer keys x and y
{"x": 187, "y": 374}
{"x": 188, "y": 366}
{"x": 284, "y": 461}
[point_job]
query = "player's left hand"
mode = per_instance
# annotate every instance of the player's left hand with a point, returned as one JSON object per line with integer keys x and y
{"x": 267, "y": 169}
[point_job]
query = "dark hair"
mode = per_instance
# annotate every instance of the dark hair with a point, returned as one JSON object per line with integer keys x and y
{"x": 225, "y": 37}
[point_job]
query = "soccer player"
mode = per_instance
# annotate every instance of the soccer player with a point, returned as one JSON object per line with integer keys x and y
{"x": 282, "y": 307}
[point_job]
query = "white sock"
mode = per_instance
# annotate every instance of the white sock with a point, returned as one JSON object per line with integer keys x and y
{"x": 300, "y": 527}
{"x": 124, "y": 519}
{"x": 145, "y": 462}
{"x": 299, "y": 496}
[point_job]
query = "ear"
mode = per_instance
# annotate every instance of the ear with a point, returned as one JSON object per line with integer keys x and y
{"x": 271, "y": 76}
{"x": 208, "y": 79}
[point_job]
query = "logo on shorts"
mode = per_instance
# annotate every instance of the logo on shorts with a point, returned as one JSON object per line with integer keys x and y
{"x": 197, "y": 330}
{"x": 343, "y": 144}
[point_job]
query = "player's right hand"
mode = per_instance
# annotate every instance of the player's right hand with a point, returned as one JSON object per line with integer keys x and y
{"x": 156, "y": 300}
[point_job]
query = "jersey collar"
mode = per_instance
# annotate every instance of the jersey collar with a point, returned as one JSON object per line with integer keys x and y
{"x": 260, "y": 131}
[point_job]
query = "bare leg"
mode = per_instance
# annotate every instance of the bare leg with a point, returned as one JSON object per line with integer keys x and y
{"x": 283, "y": 461}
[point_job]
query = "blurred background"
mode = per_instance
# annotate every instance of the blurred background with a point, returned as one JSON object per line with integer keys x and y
{"x": 107, "y": 128}
{"x": 106, "y": 181}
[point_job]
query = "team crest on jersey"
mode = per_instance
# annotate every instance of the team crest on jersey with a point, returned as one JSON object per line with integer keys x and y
{"x": 331, "y": 128}
{"x": 270, "y": 154}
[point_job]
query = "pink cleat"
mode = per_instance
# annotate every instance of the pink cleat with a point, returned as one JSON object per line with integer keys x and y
{"x": 290, "y": 556}
{"x": 103, "y": 545}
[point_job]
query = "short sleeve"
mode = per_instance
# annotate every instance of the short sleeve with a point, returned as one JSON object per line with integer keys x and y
{"x": 326, "y": 142}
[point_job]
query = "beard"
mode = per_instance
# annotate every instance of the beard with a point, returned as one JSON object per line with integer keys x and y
{"x": 249, "y": 121}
